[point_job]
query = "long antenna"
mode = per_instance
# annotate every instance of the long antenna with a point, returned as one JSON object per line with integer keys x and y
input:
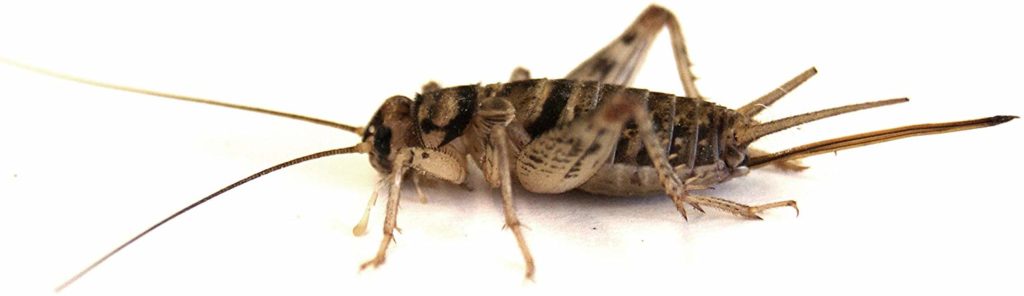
{"x": 359, "y": 148}
{"x": 353, "y": 129}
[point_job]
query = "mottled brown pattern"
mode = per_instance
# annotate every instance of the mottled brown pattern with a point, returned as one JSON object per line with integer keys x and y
{"x": 590, "y": 131}
{"x": 689, "y": 130}
{"x": 445, "y": 113}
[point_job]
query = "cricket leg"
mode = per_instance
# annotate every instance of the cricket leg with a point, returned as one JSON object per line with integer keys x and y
{"x": 677, "y": 191}
{"x": 619, "y": 61}
{"x": 360, "y": 228}
{"x": 419, "y": 190}
{"x": 670, "y": 181}
{"x": 500, "y": 139}
{"x": 492, "y": 155}
{"x": 741, "y": 209}
{"x": 569, "y": 155}
{"x": 434, "y": 163}
{"x": 399, "y": 166}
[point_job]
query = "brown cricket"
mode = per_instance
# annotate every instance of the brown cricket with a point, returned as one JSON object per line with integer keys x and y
{"x": 589, "y": 131}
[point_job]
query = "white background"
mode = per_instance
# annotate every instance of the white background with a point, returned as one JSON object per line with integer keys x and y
{"x": 82, "y": 168}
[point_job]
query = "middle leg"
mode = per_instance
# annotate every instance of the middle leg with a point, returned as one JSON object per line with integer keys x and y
{"x": 492, "y": 154}
{"x": 500, "y": 139}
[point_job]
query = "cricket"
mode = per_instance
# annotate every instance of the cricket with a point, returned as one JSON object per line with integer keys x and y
{"x": 588, "y": 131}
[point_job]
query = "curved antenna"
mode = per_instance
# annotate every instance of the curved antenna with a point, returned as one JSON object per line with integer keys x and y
{"x": 353, "y": 129}
{"x": 360, "y": 148}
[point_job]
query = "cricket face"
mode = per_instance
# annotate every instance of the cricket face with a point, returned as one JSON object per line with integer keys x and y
{"x": 391, "y": 129}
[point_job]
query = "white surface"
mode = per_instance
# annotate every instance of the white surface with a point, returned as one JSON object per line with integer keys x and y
{"x": 82, "y": 169}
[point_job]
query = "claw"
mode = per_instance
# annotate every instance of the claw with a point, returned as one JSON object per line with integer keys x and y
{"x": 697, "y": 207}
{"x": 680, "y": 200}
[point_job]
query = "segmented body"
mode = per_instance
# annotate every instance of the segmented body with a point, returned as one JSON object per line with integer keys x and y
{"x": 691, "y": 131}
{"x": 590, "y": 132}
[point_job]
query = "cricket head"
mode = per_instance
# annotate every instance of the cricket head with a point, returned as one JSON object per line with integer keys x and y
{"x": 391, "y": 129}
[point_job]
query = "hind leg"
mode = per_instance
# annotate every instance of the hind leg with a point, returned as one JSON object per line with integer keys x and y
{"x": 619, "y": 61}
{"x": 741, "y": 209}
{"x": 567, "y": 156}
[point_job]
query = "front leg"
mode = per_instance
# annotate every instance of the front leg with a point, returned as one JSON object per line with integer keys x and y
{"x": 433, "y": 163}
{"x": 399, "y": 167}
